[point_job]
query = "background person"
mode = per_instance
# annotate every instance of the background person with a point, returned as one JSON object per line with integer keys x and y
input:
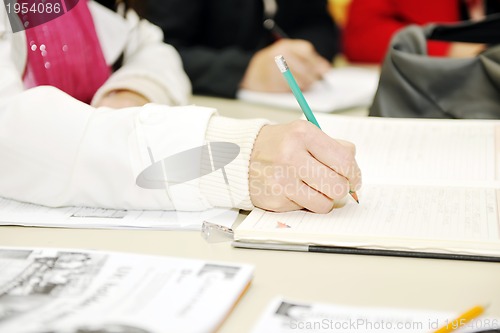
{"x": 224, "y": 45}
{"x": 372, "y": 23}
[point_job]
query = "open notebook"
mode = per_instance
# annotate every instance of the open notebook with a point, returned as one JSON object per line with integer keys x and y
{"x": 430, "y": 188}
{"x": 342, "y": 88}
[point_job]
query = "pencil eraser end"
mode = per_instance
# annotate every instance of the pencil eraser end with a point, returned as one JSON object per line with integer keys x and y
{"x": 280, "y": 61}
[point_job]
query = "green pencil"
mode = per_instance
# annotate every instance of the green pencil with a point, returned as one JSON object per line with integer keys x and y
{"x": 282, "y": 65}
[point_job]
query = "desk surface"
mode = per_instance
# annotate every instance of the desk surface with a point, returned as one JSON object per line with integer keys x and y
{"x": 443, "y": 285}
{"x": 237, "y": 109}
{"x": 344, "y": 279}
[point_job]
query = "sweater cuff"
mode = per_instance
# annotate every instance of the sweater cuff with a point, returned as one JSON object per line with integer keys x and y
{"x": 228, "y": 187}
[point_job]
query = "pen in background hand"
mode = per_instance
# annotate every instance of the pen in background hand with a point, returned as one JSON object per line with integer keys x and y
{"x": 283, "y": 67}
{"x": 274, "y": 29}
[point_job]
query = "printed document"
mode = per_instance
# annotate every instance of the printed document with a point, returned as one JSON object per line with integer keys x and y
{"x": 74, "y": 291}
{"x": 288, "y": 316}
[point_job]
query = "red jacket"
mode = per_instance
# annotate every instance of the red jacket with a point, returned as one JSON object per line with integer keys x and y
{"x": 371, "y": 24}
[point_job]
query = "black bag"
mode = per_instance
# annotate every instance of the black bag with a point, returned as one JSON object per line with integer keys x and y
{"x": 414, "y": 85}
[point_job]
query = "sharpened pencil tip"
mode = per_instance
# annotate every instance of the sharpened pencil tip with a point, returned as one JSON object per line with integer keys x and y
{"x": 354, "y": 196}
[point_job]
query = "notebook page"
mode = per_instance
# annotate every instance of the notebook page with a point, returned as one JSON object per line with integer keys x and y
{"x": 404, "y": 151}
{"x": 400, "y": 216}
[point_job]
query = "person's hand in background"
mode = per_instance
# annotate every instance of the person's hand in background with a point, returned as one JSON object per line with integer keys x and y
{"x": 296, "y": 165}
{"x": 308, "y": 66}
{"x": 121, "y": 99}
{"x": 465, "y": 50}
{"x": 476, "y": 12}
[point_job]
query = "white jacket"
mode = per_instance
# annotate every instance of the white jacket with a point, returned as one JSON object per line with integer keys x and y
{"x": 57, "y": 151}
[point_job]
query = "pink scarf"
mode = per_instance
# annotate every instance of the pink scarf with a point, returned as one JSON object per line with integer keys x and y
{"x": 66, "y": 53}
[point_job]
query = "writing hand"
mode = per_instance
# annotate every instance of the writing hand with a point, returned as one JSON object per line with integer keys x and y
{"x": 297, "y": 166}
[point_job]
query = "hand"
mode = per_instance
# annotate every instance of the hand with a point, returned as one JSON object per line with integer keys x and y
{"x": 306, "y": 64}
{"x": 476, "y": 9}
{"x": 465, "y": 50}
{"x": 122, "y": 98}
{"x": 297, "y": 166}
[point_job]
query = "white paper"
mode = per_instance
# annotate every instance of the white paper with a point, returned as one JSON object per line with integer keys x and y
{"x": 26, "y": 214}
{"x": 284, "y": 315}
{"x": 73, "y": 291}
{"x": 342, "y": 88}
